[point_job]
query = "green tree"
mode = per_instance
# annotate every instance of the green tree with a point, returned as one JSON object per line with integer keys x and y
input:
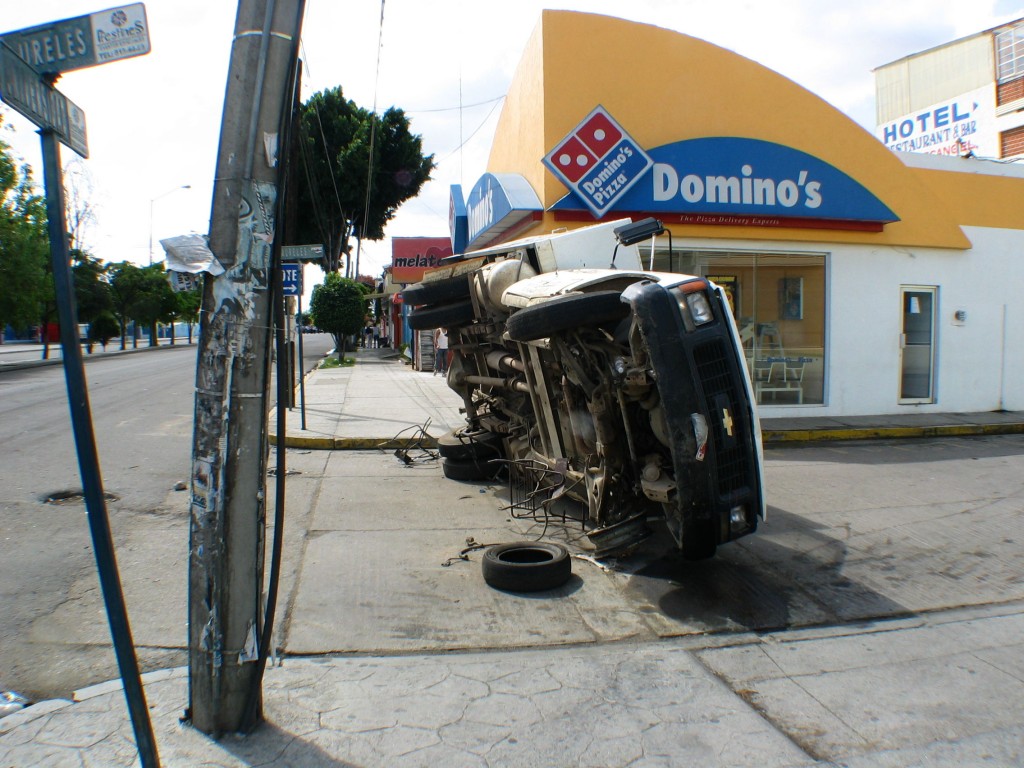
{"x": 339, "y": 308}
{"x": 155, "y": 302}
{"x": 92, "y": 291}
{"x": 126, "y": 286}
{"x": 103, "y": 328}
{"x": 331, "y": 173}
{"x": 24, "y": 250}
{"x": 189, "y": 304}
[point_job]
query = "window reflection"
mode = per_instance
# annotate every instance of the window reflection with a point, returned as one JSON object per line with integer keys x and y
{"x": 778, "y": 301}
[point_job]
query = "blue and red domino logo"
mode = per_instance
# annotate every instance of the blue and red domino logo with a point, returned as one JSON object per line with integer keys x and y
{"x": 598, "y": 161}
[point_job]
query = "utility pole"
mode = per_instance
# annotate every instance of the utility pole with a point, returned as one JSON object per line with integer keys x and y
{"x": 229, "y": 448}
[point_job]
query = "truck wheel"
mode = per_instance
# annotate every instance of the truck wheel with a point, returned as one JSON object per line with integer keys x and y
{"x": 436, "y": 316}
{"x": 449, "y": 289}
{"x": 699, "y": 541}
{"x": 466, "y": 443}
{"x": 526, "y": 566}
{"x": 565, "y": 312}
{"x": 470, "y": 470}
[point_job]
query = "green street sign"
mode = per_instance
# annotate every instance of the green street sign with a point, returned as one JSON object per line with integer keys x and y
{"x": 84, "y": 41}
{"x": 302, "y": 252}
{"x": 26, "y": 91}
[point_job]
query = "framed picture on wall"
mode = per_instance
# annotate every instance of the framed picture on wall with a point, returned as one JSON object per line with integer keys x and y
{"x": 730, "y": 286}
{"x": 791, "y": 298}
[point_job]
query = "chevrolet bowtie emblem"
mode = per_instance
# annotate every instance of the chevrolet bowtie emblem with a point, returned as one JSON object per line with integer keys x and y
{"x": 727, "y": 421}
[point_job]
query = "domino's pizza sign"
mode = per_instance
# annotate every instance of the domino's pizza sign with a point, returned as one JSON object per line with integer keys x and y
{"x": 598, "y": 161}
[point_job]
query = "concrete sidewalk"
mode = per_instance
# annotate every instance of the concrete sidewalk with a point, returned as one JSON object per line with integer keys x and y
{"x": 378, "y": 401}
{"x": 391, "y": 658}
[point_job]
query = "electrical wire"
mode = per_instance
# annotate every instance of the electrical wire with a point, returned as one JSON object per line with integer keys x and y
{"x": 373, "y": 138}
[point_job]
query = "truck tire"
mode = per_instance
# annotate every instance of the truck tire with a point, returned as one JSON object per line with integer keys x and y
{"x": 700, "y": 541}
{"x": 565, "y": 312}
{"x": 449, "y": 289}
{"x": 470, "y": 470}
{"x": 465, "y": 444}
{"x": 526, "y": 566}
{"x": 436, "y": 316}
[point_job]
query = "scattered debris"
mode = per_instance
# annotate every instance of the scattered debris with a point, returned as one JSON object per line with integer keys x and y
{"x": 11, "y": 702}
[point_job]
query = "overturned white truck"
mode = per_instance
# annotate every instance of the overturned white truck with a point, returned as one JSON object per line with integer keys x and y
{"x": 623, "y": 389}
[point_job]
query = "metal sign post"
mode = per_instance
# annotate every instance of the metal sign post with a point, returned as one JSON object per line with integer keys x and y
{"x": 291, "y": 282}
{"x": 88, "y": 459}
{"x": 32, "y": 94}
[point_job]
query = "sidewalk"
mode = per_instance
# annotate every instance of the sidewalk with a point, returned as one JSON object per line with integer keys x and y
{"x": 589, "y": 675}
{"x": 373, "y": 404}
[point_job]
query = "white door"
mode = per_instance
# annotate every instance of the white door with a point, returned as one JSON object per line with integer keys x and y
{"x": 917, "y": 344}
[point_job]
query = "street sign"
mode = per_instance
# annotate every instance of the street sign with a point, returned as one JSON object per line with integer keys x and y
{"x": 84, "y": 41}
{"x": 291, "y": 279}
{"x": 302, "y": 252}
{"x": 26, "y": 91}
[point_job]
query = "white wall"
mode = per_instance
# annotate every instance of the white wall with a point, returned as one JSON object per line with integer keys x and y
{"x": 979, "y": 363}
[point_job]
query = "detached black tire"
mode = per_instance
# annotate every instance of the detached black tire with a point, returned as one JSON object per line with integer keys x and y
{"x": 436, "y": 316}
{"x": 526, "y": 566}
{"x": 565, "y": 312}
{"x": 470, "y": 470}
{"x": 449, "y": 289}
{"x": 465, "y": 443}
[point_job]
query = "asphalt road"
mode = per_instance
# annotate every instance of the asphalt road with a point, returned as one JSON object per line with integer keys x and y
{"x": 141, "y": 405}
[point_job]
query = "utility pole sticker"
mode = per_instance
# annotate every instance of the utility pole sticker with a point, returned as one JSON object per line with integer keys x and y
{"x": 598, "y": 161}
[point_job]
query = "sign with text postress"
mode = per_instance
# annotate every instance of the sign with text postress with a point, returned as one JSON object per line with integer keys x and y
{"x": 84, "y": 41}
{"x": 598, "y": 161}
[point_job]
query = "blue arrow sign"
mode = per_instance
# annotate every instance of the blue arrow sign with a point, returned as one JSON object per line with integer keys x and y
{"x": 291, "y": 279}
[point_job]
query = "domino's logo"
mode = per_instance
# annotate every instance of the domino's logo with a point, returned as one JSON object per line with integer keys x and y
{"x": 599, "y": 161}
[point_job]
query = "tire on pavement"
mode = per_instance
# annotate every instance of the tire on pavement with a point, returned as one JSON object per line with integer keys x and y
{"x": 573, "y": 311}
{"x": 435, "y": 292}
{"x": 467, "y": 443}
{"x": 470, "y": 470}
{"x": 526, "y": 566}
{"x": 436, "y": 316}
{"x": 699, "y": 541}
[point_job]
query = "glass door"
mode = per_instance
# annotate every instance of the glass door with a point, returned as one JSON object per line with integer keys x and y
{"x": 917, "y": 344}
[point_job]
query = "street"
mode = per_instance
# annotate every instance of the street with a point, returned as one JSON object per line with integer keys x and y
{"x": 54, "y": 634}
{"x": 855, "y": 531}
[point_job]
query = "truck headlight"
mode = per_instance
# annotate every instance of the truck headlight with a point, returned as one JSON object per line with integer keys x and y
{"x": 700, "y": 308}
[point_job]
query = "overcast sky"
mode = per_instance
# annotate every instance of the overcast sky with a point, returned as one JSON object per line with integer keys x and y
{"x": 153, "y": 121}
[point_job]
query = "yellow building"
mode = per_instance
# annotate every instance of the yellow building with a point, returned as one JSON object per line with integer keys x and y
{"x": 882, "y": 281}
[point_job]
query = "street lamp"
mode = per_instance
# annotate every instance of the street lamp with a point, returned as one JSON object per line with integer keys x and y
{"x": 153, "y": 200}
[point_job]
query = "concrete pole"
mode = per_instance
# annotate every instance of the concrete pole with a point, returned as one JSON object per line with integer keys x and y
{"x": 229, "y": 450}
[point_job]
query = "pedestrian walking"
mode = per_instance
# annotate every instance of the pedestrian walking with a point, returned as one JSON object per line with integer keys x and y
{"x": 440, "y": 351}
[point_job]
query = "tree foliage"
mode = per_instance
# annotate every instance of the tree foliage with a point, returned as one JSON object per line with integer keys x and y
{"x": 24, "y": 249}
{"x": 338, "y": 307}
{"x": 331, "y": 172}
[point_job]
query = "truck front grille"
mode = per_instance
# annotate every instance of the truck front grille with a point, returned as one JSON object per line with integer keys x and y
{"x": 734, "y": 451}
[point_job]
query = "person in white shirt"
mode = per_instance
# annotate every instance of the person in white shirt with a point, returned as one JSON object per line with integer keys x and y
{"x": 440, "y": 351}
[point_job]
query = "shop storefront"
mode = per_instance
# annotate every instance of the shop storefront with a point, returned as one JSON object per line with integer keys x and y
{"x": 862, "y": 281}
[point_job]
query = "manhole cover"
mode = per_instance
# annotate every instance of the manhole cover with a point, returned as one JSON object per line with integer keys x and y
{"x": 73, "y": 496}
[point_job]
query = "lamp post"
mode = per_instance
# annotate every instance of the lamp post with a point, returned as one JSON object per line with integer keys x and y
{"x": 153, "y": 200}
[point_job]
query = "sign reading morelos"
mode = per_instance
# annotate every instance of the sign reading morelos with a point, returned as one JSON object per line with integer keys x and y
{"x": 599, "y": 161}
{"x": 84, "y": 41}
{"x": 22, "y": 88}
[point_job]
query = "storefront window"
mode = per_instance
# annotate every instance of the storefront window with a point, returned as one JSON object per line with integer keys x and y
{"x": 778, "y": 301}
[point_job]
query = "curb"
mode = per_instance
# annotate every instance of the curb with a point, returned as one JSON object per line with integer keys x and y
{"x": 888, "y": 433}
{"x": 768, "y": 436}
{"x": 355, "y": 443}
